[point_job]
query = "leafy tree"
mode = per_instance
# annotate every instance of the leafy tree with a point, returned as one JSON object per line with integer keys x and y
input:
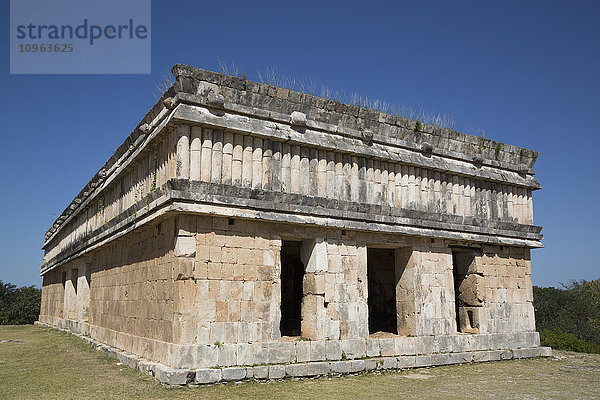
{"x": 566, "y": 317}
{"x": 19, "y": 305}
{"x": 558, "y": 339}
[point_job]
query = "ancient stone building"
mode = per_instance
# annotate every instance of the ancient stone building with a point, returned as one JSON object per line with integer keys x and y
{"x": 244, "y": 230}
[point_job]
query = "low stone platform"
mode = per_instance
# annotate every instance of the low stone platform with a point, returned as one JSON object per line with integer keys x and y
{"x": 181, "y": 377}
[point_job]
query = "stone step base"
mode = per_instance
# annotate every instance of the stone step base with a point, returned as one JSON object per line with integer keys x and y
{"x": 179, "y": 377}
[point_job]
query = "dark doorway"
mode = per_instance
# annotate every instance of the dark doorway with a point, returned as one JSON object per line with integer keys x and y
{"x": 74, "y": 276}
{"x": 382, "y": 281}
{"x": 465, "y": 295}
{"x": 292, "y": 275}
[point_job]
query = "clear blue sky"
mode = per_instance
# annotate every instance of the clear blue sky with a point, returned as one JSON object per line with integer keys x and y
{"x": 526, "y": 72}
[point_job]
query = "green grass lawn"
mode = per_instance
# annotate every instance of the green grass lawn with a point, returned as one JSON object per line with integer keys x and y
{"x": 43, "y": 363}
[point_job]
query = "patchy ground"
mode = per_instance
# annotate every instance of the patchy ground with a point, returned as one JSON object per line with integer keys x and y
{"x": 43, "y": 363}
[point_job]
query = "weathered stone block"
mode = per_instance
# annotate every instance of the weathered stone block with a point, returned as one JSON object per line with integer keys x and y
{"x": 318, "y": 368}
{"x": 333, "y": 350}
{"x": 207, "y": 375}
{"x": 545, "y": 351}
{"x": 233, "y": 373}
{"x": 314, "y": 284}
{"x": 529, "y": 352}
{"x": 281, "y": 352}
{"x": 354, "y": 348}
{"x": 412, "y": 361}
{"x": 419, "y": 361}
{"x": 260, "y": 372}
{"x": 373, "y": 363}
{"x": 296, "y": 370}
{"x": 185, "y": 246}
{"x": 246, "y": 354}
{"x": 387, "y": 347}
{"x": 227, "y": 355}
{"x": 389, "y": 363}
{"x": 183, "y": 268}
{"x": 298, "y": 118}
{"x": 146, "y": 367}
{"x": 405, "y": 345}
{"x": 481, "y": 356}
{"x": 440, "y": 359}
{"x": 186, "y": 225}
{"x": 340, "y": 367}
{"x": 318, "y": 350}
{"x": 303, "y": 351}
{"x": 173, "y": 377}
{"x": 357, "y": 365}
{"x": 373, "y": 349}
{"x": 443, "y": 344}
{"x": 495, "y": 355}
{"x": 276, "y": 371}
{"x": 314, "y": 255}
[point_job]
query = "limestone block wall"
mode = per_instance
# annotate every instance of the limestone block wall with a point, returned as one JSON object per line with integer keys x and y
{"x": 229, "y": 288}
{"x": 53, "y": 297}
{"x": 226, "y": 282}
{"x": 434, "y": 289}
{"x": 508, "y": 289}
{"x": 344, "y": 306}
{"x": 65, "y": 297}
{"x": 194, "y": 291}
{"x": 125, "y": 298}
{"x": 132, "y": 298}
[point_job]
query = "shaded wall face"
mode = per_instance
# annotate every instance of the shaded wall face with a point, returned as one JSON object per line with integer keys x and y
{"x": 65, "y": 295}
{"x": 132, "y": 292}
{"x": 53, "y": 295}
{"x": 124, "y": 293}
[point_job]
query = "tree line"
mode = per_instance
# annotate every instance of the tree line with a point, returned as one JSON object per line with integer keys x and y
{"x": 19, "y": 305}
{"x": 569, "y": 318}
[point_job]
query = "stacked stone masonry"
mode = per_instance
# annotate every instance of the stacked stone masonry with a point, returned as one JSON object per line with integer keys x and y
{"x": 410, "y": 244}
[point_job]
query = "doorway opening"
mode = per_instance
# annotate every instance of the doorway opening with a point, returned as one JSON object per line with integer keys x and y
{"x": 382, "y": 282}
{"x": 292, "y": 276}
{"x": 74, "y": 276}
{"x": 468, "y": 299}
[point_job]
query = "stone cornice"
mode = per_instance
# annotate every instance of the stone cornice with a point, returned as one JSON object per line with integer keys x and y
{"x": 227, "y": 201}
{"x": 275, "y": 103}
{"x": 193, "y": 113}
{"x": 349, "y": 128}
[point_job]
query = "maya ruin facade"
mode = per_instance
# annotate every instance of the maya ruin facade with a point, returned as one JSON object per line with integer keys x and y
{"x": 248, "y": 231}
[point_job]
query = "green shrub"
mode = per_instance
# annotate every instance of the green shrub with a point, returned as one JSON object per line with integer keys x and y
{"x": 560, "y": 340}
{"x": 19, "y": 305}
{"x": 569, "y": 318}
